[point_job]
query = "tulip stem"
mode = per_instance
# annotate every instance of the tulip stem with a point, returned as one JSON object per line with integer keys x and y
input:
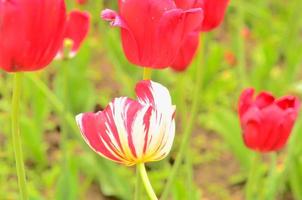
{"x": 147, "y": 73}
{"x": 270, "y": 192}
{"x": 189, "y": 127}
{"x": 138, "y": 188}
{"x": 252, "y": 178}
{"x": 144, "y": 176}
{"x": 16, "y": 137}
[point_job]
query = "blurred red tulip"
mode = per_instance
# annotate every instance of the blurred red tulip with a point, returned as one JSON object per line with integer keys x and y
{"x": 153, "y": 30}
{"x": 230, "y": 58}
{"x": 267, "y": 122}
{"x": 246, "y": 33}
{"x": 81, "y": 2}
{"x": 132, "y": 131}
{"x": 31, "y": 33}
{"x": 214, "y": 11}
{"x": 77, "y": 28}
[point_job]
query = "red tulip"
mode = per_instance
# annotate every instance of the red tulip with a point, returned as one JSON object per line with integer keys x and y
{"x": 77, "y": 27}
{"x": 267, "y": 122}
{"x": 132, "y": 131}
{"x": 214, "y": 11}
{"x": 81, "y": 2}
{"x": 153, "y": 31}
{"x": 31, "y": 33}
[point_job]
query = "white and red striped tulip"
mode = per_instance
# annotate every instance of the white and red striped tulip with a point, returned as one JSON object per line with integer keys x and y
{"x": 131, "y": 131}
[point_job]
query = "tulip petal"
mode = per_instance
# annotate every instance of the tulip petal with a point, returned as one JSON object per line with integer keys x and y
{"x": 77, "y": 28}
{"x": 250, "y": 123}
{"x": 149, "y": 92}
{"x": 214, "y": 13}
{"x": 173, "y": 28}
{"x": 140, "y": 44}
{"x": 187, "y": 52}
{"x": 264, "y": 99}
{"x": 128, "y": 39}
{"x": 188, "y": 4}
{"x": 245, "y": 101}
{"x": 288, "y": 102}
{"x": 91, "y": 126}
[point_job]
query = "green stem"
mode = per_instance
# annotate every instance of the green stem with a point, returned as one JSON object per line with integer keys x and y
{"x": 188, "y": 129}
{"x": 143, "y": 173}
{"x": 138, "y": 187}
{"x": 252, "y": 178}
{"x": 270, "y": 193}
{"x": 147, "y": 73}
{"x": 16, "y": 137}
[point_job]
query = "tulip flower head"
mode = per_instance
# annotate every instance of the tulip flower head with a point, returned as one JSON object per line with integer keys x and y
{"x": 132, "y": 131}
{"x": 31, "y": 33}
{"x": 153, "y": 31}
{"x": 266, "y": 122}
{"x": 77, "y": 28}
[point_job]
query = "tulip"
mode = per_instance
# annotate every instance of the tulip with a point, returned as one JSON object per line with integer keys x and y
{"x": 266, "y": 122}
{"x": 153, "y": 31}
{"x": 77, "y": 28}
{"x": 31, "y": 33}
{"x": 214, "y": 11}
{"x": 82, "y": 2}
{"x": 132, "y": 131}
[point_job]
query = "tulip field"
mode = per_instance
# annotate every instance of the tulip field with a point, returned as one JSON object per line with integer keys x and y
{"x": 150, "y": 100}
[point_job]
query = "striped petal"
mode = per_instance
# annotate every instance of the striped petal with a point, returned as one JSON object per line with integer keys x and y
{"x": 149, "y": 92}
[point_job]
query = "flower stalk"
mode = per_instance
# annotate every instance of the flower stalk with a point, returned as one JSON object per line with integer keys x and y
{"x": 147, "y": 73}
{"x": 253, "y": 177}
{"x": 146, "y": 181}
{"x": 16, "y": 137}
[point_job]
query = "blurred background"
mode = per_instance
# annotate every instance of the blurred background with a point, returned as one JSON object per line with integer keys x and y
{"x": 259, "y": 45}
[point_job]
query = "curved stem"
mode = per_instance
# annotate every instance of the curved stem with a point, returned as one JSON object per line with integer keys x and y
{"x": 146, "y": 181}
{"x": 188, "y": 129}
{"x": 16, "y": 137}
